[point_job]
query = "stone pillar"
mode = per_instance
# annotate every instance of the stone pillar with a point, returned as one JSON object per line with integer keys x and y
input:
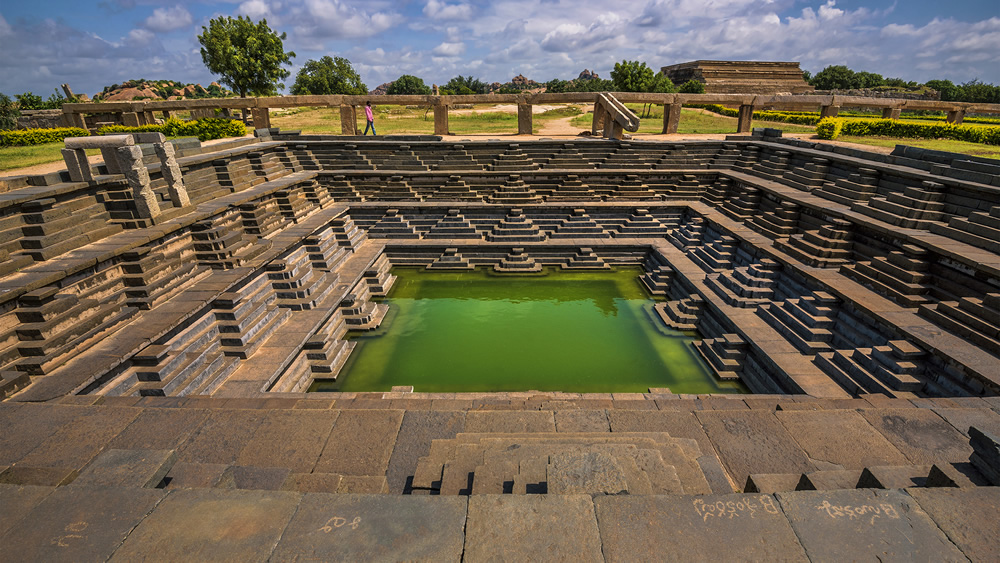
{"x": 76, "y": 120}
{"x": 77, "y": 165}
{"x": 956, "y": 116}
{"x": 348, "y": 121}
{"x": 671, "y": 118}
{"x": 166, "y": 114}
{"x": 524, "y": 117}
{"x": 829, "y": 111}
{"x": 108, "y": 145}
{"x": 172, "y": 174}
{"x": 130, "y": 119}
{"x": 261, "y": 118}
{"x": 598, "y": 123}
{"x": 130, "y": 157}
{"x": 891, "y": 113}
{"x": 147, "y": 118}
{"x": 440, "y": 119}
{"x": 745, "y": 119}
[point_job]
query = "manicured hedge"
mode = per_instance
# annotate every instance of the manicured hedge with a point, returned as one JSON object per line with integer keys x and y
{"x": 25, "y": 137}
{"x": 829, "y": 128}
{"x": 205, "y": 129}
{"x": 799, "y": 118}
{"x": 892, "y": 128}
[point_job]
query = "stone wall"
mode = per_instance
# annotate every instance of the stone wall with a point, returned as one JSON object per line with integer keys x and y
{"x": 41, "y": 119}
{"x": 872, "y": 93}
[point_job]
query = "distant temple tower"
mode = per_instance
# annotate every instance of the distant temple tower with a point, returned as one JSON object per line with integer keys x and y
{"x": 741, "y": 77}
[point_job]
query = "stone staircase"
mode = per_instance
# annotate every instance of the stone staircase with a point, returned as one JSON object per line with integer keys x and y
{"x": 980, "y": 229}
{"x": 914, "y": 208}
{"x": 903, "y": 275}
{"x": 636, "y": 463}
{"x": 806, "y": 322}
{"x": 828, "y": 247}
{"x": 895, "y": 369}
{"x": 974, "y": 319}
{"x": 746, "y": 286}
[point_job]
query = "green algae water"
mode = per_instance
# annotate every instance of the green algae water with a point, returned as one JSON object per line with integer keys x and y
{"x": 574, "y": 331}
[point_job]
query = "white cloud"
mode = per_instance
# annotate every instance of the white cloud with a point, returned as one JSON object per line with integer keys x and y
{"x": 441, "y": 11}
{"x": 257, "y": 9}
{"x": 5, "y": 28}
{"x": 338, "y": 19}
{"x": 449, "y": 49}
{"x": 168, "y": 19}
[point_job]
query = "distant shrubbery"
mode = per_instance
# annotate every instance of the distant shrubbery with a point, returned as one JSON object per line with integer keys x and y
{"x": 8, "y": 112}
{"x": 26, "y": 137}
{"x": 205, "y": 129}
{"x": 831, "y": 128}
{"x": 839, "y": 77}
{"x": 798, "y": 118}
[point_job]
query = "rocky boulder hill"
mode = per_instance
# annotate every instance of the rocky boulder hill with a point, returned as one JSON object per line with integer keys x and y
{"x": 159, "y": 90}
{"x": 587, "y": 75}
{"x": 381, "y": 89}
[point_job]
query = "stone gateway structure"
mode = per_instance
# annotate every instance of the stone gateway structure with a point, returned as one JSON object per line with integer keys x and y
{"x": 155, "y": 364}
{"x": 741, "y": 77}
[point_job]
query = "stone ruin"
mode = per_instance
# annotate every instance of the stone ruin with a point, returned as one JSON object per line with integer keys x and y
{"x": 164, "y": 313}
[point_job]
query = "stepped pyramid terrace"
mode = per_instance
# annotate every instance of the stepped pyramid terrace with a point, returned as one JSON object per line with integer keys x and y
{"x": 183, "y": 327}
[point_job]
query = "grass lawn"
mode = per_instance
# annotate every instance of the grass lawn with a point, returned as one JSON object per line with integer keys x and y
{"x": 12, "y": 158}
{"x": 692, "y": 121}
{"x": 398, "y": 120}
{"x": 947, "y": 145}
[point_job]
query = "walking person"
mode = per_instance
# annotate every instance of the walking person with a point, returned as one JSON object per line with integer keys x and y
{"x": 370, "y": 118}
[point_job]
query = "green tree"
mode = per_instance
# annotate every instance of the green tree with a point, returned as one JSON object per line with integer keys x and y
{"x": 466, "y": 85}
{"x": 29, "y": 100}
{"x": 661, "y": 84}
{"x": 8, "y": 112}
{"x": 835, "y": 77}
{"x": 329, "y": 75}
{"x": 631, "y": 76}
{"x": 692, "y": 87}
{"x": 556, "y": 86}
{"x": 247, "y": 56}
{"x": 868, "y": 80}
{"x": 949, "y": 92}
{"x": 408, "y": 84}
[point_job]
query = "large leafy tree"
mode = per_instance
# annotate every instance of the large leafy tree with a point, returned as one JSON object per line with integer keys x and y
{"x": 247, "y": 56}
{"x": 329, "y": 75}
{"x": 408, "y": 84}
{"x": 834, "y": 77}
{"x": 631, "y": 76}
{"x": 465, "y": 85}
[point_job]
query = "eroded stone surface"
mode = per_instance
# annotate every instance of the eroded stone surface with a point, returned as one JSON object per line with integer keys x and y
{"x": 374, "y": 528}
{"x": 865, "y": 524}
{"x": 78, "y": 524}
{"x": 212, "y": 524}
{"x": 967, "y": 516}
{"x": 531, "y": 527}
{"x": 746, "y": 527}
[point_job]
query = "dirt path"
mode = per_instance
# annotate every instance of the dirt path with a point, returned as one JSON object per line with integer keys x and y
{"x": 559, "y": 127}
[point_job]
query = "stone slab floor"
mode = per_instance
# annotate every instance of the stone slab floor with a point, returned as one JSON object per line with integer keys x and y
{"x": 320, "y": 479}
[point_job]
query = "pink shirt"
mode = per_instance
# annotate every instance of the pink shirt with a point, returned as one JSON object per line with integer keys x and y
{"x": 368, "y": 113}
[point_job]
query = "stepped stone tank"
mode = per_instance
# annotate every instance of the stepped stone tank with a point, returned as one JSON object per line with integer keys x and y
{"x": 856, "y": 295}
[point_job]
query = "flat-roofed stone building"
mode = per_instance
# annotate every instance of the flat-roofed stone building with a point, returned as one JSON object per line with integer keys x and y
{"x": 741, "y": 77}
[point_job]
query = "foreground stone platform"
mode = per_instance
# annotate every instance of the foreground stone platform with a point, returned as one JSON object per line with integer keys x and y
{"x": 333, "y": 478}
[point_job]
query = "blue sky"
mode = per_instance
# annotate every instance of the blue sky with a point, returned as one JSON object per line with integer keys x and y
{"x": 92, "y": 44}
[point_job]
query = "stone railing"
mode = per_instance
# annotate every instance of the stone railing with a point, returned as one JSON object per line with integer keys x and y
{"x": 142, "y": 113}
{"x": 613, "y": 117}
